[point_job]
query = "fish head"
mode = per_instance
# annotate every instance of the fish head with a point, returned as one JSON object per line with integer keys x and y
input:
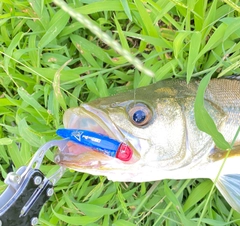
{"x": 156, "y": 122}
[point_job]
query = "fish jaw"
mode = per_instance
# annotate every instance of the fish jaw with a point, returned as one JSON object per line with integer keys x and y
{"x": 89, "y": 118}
{"x": 84, "y": 159}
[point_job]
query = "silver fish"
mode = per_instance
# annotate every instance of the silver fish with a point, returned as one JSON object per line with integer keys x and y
{"x": 158, "y": 123}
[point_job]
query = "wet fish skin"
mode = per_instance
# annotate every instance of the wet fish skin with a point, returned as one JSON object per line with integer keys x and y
{"x": 174, "y": 101}
{"x": 170, "y": 145}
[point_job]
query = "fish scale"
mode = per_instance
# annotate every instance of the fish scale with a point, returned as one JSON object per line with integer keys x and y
{"x": 227, "y": 95}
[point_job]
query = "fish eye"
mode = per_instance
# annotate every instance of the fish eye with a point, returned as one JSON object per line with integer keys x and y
{"x": 140, "y": 115}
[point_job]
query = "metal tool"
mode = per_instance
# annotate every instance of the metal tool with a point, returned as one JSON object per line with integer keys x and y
{"x": 28, "y": 189}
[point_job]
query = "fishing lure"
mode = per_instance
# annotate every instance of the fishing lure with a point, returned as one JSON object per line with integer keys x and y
{"x": 98, "y": 142}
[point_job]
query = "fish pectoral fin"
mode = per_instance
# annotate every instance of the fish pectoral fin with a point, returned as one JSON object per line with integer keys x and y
{"x": 219, "y": 154}
{"x": 229, "y": 186}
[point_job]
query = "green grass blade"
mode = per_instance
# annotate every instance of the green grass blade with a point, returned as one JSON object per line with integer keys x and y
{"x": 204, "y": 120}
{"x": 8, "y": 53}
{"x": 29, "y": 99}
{"x": 122, "y": 223}
{"x": 29, "y": 135}
{"x": 126, "y": 8}
{"x": 178, "y": 44}
{"x": 94, "y": 210}
{"x": 233, "y": 5}
{"x": 109, "y": 5}
{"x": 159, "y": 41}
{"x": 102, "y": 87}
{"x": 146, "y": 19}
{"x": 195, "y": 44}
{"x": 5, "y": 141}
{"x": 85, "y": 220}
{"x": 34, "y": 55}
{"x": 57, "y": 87}
{"x": 123, "y": 39}
{"x": 15, "y": 156}
{"x": 197, "y": 194}
{"x": 56, "y": 25}
{"x": 41, "y": 11}
{"x": 214, "y": 40}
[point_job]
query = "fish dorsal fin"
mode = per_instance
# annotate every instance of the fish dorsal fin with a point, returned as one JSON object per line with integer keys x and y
{"x": 235, "y": 77}
{"x": 229, "y": 186}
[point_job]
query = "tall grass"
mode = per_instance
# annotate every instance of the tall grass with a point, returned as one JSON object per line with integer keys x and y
{"x": 50, "y": 62}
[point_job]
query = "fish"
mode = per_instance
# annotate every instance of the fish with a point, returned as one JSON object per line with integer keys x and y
{"x": 157, "y": 122}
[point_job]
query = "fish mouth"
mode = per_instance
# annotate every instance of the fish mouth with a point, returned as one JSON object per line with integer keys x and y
{"x": 81, "y": 158}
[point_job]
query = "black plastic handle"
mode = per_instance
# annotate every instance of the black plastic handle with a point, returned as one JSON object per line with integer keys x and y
{"x": 23, "y": 207}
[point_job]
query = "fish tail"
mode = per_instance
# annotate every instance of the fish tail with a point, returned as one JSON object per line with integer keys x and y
{"x": 229, "y": 186}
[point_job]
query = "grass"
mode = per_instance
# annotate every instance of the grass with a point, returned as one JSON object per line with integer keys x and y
{"x": 50, "y": 62}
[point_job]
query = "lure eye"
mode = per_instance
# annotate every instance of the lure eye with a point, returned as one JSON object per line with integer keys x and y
{"x": 140, "y": 115}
